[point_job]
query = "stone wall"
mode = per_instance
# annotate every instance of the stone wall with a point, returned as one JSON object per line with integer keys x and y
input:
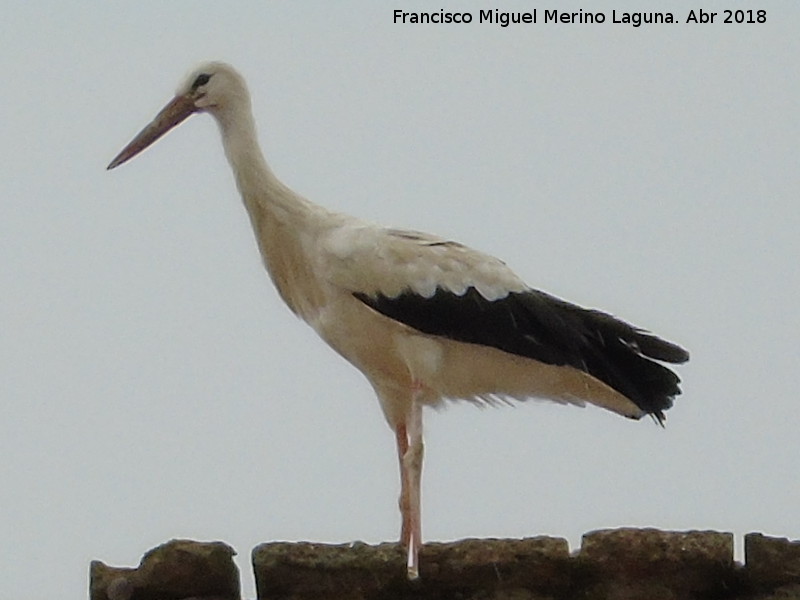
{"x": 620, "y": 564}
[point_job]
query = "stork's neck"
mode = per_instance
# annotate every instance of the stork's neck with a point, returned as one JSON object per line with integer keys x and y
{"x": 282, "y": 220}
{"x": 259, "y": 186}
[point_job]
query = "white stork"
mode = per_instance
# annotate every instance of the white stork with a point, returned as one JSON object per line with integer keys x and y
{"x": 423, "y": 318}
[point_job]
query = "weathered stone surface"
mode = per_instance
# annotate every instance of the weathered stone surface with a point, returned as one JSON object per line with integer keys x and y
{"x": 788, "y": 592}
{"x": 622, "y": 564}
{"x": 306, "y": 570}
{"x": 660, "y": 565}
{"x": 179, "y": 569}
{"x": 110, "y": 583}
{"x": 771, "y": 562}
{"x": 527, "y": 569}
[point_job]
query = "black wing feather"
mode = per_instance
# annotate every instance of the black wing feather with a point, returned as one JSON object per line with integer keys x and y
{"x": 539, "y": 326}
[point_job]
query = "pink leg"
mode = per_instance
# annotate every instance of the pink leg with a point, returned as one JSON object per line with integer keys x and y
{"x": 410, "y": 451}
{"x": 402, "y": 447}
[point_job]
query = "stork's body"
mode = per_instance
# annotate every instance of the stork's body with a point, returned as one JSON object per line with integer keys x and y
{"x": 424, "y": 319}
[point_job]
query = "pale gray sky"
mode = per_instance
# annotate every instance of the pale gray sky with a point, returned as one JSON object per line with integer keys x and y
{"x": 154, "y": 386}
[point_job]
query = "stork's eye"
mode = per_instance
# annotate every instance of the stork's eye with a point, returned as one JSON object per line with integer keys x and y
{"x": 202, "y": 79}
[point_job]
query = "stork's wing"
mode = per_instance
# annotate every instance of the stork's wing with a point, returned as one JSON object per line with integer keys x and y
{"x": 445, "y": 289}
{"x": 388, "y": 262}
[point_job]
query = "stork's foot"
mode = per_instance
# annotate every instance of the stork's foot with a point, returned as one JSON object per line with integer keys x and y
{"x": 409, "y": 539}
{"x": 412, "y": 564}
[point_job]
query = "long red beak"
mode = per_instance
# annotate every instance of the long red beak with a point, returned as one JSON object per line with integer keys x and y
{"x": 180, "y": 108}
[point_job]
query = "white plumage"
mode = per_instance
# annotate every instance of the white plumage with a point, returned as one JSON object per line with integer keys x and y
{"x": 425, "y": 319}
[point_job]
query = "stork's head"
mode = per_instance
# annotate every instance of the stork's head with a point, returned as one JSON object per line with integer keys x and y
{"x": 213, "y": 87}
